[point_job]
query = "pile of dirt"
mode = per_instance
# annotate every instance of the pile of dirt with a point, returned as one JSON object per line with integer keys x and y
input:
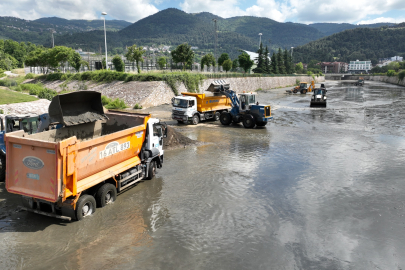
{"x": 176, "y": 140}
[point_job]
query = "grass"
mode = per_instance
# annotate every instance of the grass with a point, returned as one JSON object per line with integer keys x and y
{"x": 8, "y": 97}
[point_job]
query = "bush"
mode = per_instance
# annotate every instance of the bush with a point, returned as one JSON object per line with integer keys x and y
{"x": 297, "y": 82}
{"x": 118, "y": 64}
{"x": 1, "y": 111}
{"x": 401, "y": 75}
{"x": 46, "y": 94}
{"x": 137, "y": 106}
{"x": 105, "y": 100}
{"x": 8, "y": 83}
{"x": 29, "y": 76}
{"x": 116, "y": 104}
{"x": 390, "y": 73}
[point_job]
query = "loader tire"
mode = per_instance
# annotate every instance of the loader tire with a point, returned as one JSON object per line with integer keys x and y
{"x": 249, "y": 121}
{"x": 85, "y": 206}
{"x": 225, "y": 118}
{"x": 106, "y": 194}
{"x": 304, "y": 91}
{"x": 261, "y": 124}
{"x": 3, "y": 168}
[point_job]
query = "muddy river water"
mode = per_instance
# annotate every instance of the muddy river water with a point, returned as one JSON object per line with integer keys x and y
{"x": 315, "y": 189}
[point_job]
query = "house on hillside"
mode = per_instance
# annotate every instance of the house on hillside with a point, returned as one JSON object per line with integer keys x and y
{"x": 334, "y": 67}
{"x": 359, "y": 66}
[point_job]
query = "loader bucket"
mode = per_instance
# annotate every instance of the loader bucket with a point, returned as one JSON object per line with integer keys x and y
{"x": 76, "y": 108}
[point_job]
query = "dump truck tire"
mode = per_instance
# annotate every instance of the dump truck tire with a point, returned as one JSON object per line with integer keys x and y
{"x": 225, "y": 118}
{"x": 195, "y": 120}
{"x": 249, "y": 121}
{"x": 85, "y": 206}
{"x": 217, "y": 116}
{"x": 3, "y": 168}
{"x": 151, "y": 170}
{"x": 179, "y": 122}
{"x": 106, "y": 194}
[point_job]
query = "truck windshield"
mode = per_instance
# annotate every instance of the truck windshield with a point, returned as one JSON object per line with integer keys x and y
{"x": 252, "y": 99}
{"x": 182, "y": 103}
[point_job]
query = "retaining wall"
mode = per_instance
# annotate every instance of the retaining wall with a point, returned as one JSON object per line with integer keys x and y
{"x": 386, "y": 79}
{"x": 149, "y": 94}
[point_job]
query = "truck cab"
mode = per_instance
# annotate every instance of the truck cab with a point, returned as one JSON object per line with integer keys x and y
{"x": 184, "y": 108}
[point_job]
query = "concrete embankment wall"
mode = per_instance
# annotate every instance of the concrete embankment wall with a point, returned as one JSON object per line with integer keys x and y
{"x": 149, "y": 94}
{"x": 386, "y": 79}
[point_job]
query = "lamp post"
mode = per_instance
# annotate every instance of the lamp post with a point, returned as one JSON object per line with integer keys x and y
{"x": 216, "y": 38}
{"x": 260, "y": 39}
{"x": 53, "y": 41}
{"x": 292, "y": 48}
{"x": 105, "y": 39}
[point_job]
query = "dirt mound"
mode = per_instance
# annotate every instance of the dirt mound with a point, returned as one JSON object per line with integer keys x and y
{"x": 176, "y": 140}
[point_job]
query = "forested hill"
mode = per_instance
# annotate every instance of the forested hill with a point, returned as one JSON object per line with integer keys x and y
{"x": 350, "y": 45}
{"x": 38, "y": 31}
{"x": 328, "y": 29}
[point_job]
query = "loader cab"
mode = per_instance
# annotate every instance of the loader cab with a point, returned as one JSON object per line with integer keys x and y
{"x": 27, "y": 123}
{"x": 246, "y": 100}
{"x": 303, "y": 85}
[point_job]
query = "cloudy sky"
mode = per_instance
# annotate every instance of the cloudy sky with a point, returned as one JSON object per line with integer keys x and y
{"x": 301, "y": 11}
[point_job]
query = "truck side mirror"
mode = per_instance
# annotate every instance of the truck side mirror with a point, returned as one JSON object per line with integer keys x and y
{"x": 172, "y": 100}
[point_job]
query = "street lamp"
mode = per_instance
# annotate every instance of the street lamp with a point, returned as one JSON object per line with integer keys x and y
{"x": 105, "y": 38}
{"x": 260, "y": 39}
{"x": 292, "y": 48}
{"x": 53, "y": 41}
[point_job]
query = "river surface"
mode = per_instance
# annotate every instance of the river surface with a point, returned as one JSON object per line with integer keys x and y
{"x": 318, "y": 188}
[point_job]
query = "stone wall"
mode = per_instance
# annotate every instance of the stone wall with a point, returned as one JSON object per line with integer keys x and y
{"x": 386, "y": 79}
{"x": 149, "y": 94}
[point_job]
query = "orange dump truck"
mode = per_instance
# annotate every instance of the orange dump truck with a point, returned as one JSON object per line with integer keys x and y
{"x": 194, "y": 107}
{"x": 68, "y": 172}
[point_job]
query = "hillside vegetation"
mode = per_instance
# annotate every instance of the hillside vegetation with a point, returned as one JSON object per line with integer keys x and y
{"x": 350, "y": 45}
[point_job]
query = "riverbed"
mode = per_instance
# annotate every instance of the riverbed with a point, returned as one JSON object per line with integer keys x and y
{"x": 317, "y": 188}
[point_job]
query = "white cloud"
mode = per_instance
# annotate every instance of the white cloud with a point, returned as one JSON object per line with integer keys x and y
{"x": 303, "y": 11}
{"x": 130, "y": 10}
{"x": 382, "y": 20}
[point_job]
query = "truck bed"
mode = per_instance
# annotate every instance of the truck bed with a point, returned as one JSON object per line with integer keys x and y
{"x": 63, "y": 162}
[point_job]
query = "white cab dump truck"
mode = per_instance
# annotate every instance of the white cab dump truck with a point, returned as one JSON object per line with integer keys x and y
{"x": 68, "y": 172}
{"x": 195, "y": 107}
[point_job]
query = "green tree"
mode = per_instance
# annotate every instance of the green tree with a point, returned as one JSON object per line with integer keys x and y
{"x": 118, "y": 63}
{"x": 280, "y": 62}
{"x": 222, "y": 58}
{"x": 77, "y": 62}
{"x": 207, "y": 60}
{"x": 183, "y": 54}
{"x": 227, "y": 65}
{"x": 391, "y": 73}
{"x": 162, "y": 62}
{"x": 299, "y": 68}
{"x": 245, "y": 62}
{"x": 274, "y": 64}
{"x": 58, "y": 55}
{"x": 261, "y": 67}
{"x": 287, "y": 62}
{"x": 134, "y": 54}
{"x": 235, "y": 64}
{"x": 393, "y": 66}
{"x": 267, "y": 65}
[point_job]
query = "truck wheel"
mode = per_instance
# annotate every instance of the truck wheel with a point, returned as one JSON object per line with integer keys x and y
{"x": 225, "y": 118}
{"x": 217, "y": 116}
{"x": 249, "y": 121}
{"x": 85, "y": 206}
{"x": 3, "y": 168}
{"x": 151, "y": 170}
{"x": 106, "y": 194}
{"x": 195, "y": 120}
{"x": 180, "y": 122}
{"x": 261, "y": 124}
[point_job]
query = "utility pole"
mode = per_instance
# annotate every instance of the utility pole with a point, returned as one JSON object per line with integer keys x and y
{"x": 105, "y": 38}
{"x": 216, "y": 39}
